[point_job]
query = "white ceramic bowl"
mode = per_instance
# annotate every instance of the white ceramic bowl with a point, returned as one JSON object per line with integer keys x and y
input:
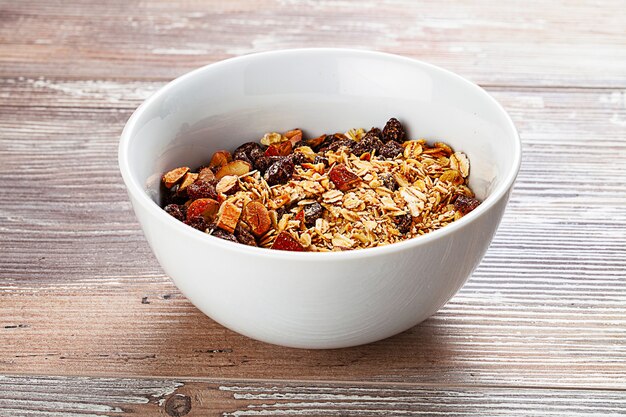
{"x": 317, "y": 300}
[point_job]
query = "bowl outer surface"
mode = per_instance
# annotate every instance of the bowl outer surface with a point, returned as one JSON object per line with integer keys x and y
{"x": 317, "y": 300}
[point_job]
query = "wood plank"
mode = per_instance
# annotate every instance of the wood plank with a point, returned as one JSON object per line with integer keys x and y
{"x": 495, "y": 43}
{"x": 90, "y": 397}
{"x": 81, "y": 294}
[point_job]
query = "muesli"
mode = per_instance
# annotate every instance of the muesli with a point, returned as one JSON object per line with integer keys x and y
{"x": 334, "y": 192}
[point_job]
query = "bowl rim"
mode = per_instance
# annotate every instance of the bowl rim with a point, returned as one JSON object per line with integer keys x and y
{"x": 141, "y": 196}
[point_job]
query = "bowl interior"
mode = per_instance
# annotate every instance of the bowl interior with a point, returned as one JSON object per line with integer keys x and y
{"x": 320, "y": 91}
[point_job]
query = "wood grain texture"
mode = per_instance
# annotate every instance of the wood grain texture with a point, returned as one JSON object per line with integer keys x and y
{"x": 540, "y": 328}
{"x": 504, "y": 43}
{"x": 546, "y": 308}
{"x": 90, "y": 397}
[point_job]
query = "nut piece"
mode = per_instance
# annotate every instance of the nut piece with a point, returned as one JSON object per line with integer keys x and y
{"x": 220, "y": 158}
{"x": 236, "y": 167}
{"x": 228, "y": 184}
{"x": 343, "y": 178}
{"x": 206, "y": 174}
{"x": 284, "y": 241}
{"x": 229, "y": 217}
{"x": 257, "y": 217}
{"x": 188, "y": 179}
{"x": 170, "y": 178}
{"x": 203, "y": 207}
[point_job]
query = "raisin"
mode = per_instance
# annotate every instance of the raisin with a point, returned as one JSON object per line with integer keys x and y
{"x": 197, "y": 223}
{"x": 320, "y": 159}
{"x": 280, "y": 171}
{"x": 375, "y": 132}
{"x": 404, "y": 223}
{"x": 249, "y": 152}
{"x": 348, "y": 143}
{"x": 172, "y": 195}
{"x": 244, "y": 236}
{"x": 223, "y": 234}
{"x": 368, "y": 143}
{"x": 388, "y": 181}
{"x": 394, "y": 131}
{"x": 202, "y": 189}
{"x": 391, "y": 149}
{"x": 465, "y": 204}
{"x": 312, "y": 212}
{"x": 176, "y": 211}
{"x": 298, "y": 158}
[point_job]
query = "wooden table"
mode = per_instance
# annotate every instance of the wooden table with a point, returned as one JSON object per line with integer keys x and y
{"x": 91, "y": 326}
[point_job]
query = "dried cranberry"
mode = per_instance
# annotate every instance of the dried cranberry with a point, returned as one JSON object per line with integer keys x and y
{"x": 176, "y": 211}
{"x": 404, "y": 223}
{"x": 368, "y": 143}
{"x": 222, "y": 234}
{"x": 394, "y": 131}
{"x": 279, "y": 172}
{"x": 465, "y": 204}
{"x": 388, "y": 181}
{"x": 202, "y": 189}
{"x": 391, "y": 149}
{"x": 244, "y": 236}
{"x": 312, "y": 212}
{"x": 197, "y": 223}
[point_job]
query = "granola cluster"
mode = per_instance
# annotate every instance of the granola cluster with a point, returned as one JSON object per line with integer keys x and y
{"x": 334, "y": 192}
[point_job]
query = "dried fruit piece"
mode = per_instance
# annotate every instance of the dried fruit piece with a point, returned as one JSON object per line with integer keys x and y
{"x": 236, "y": 167}
{"x": 197, "y": 223}
{"x": 228, "y": 184}
{"x": 256, "y": 215}
{"x": 203, "y": 207}
{"x": 172, "y": 177}
{"x": 248, "y": 152}
{"x": 343, "y": 178}
{"x": 394, "y": 131}
{"x": 202, "y": 189}
{"x": 315, "y": 142}
{"x": 312, "y": 212}
{"x": 279, "y": 149}
{"x": 175, "y": 210}
{"x": 284, "y": 241}
{"x": 369, "y": 143}
{"x": 294, "y": 136}
{"x": 272, "y": 138}
{"x": 388, "y": 181}
{"x": 219, "y": 159}
{"x": 244, "y": 236}
{"x": 280, "y": 171}
{"x": 188, "y": 179}
{"x": 222, "y": 234}
{"x": 391, "y": 149}
{"x": 404, "y": 223}
{"x": 339, "y": 142}
{"x": 465, "y": 204}
{"x": 228, "y": 217}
